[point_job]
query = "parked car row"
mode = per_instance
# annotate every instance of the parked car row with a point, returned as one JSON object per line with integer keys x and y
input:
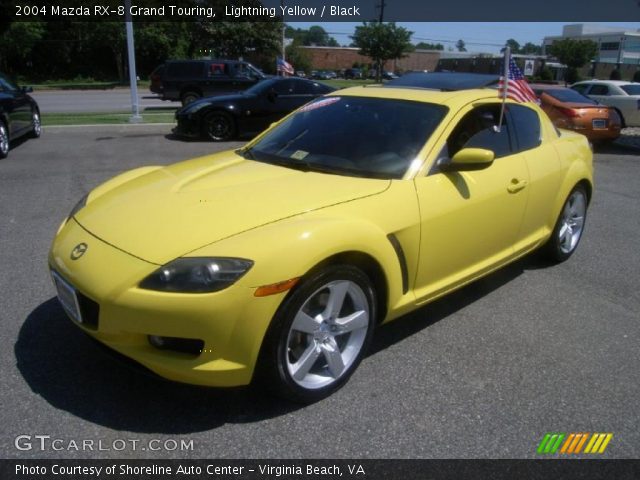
{"x": 621, "y": 95}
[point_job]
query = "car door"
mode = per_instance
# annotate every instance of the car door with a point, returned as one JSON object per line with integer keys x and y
{"x": 16, "y": 106}
{"x": 470, "y": 220}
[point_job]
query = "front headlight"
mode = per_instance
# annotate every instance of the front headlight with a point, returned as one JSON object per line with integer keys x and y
{"x": 197, "y": 275}
{"x": 78, "y": 206}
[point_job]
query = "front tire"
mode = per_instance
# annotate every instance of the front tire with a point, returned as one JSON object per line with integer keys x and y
{"x": 319, "y": 335}
{"x": 4, "y": 141}
{"x": 36, "y": 125}
{"x": 569, "y": 226}
{"x": 219, "y": 126}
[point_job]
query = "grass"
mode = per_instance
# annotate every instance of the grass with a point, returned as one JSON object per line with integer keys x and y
{"x": 51, "y": 119}
{"x": 80, "y": 85}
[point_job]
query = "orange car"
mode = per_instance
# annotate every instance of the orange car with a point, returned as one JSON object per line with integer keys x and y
{"x": 569, "y": 109}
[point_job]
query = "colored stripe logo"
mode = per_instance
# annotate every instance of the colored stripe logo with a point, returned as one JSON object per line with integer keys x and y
{"x": 573, "y": 443}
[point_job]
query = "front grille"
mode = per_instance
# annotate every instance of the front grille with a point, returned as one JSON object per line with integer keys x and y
{"x": 89, "y": 310}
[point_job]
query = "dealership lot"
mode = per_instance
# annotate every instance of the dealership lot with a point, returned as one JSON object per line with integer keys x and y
{"x": 485, "y": 372}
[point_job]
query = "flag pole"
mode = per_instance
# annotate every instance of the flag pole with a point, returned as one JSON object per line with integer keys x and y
{"x": 505, "y": 85}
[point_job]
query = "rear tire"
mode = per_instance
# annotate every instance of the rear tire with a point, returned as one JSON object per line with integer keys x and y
{"x": 189, "y": 97}
{"x": 4, "y": 140}
{"x": 319, "y": 335}
{"x": 569, "y": 226}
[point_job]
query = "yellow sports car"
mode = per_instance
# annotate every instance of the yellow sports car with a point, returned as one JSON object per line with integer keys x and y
{"x": 275, "y": 262}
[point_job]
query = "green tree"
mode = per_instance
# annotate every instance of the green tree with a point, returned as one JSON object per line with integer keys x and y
{"x": 531, "y": 49}
{"x": 574, "y": 54}
{"x": 382, "y": 42}
{"x": 17, "y": 43}
{"x": 298, "y": 57}
{"x": 429, "y": 46}
{"x": 315, "y": 35}
{"x": 513, "y": 45}
{"x": 236, "y": 39}
{"x": 460, "y": 45}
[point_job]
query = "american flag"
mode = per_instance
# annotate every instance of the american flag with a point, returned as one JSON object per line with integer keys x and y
{"x": 284, "y": 67}
{"x": 517, "y": 86}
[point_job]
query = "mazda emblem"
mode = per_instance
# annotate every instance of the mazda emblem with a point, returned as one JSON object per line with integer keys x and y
{"x": 78, "y": 251}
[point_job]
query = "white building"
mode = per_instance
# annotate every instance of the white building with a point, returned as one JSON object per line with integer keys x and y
{"x": 614, "y": 45}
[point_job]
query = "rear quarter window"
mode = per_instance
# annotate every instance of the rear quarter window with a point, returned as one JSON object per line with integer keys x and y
{"x": 526, "y": 125}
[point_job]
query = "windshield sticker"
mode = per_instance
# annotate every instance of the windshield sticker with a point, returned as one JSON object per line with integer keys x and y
{"x": 319, "y": 104}
{"x": 299, "y": 154}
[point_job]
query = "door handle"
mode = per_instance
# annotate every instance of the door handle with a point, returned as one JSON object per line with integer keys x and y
{"x": 516, "y": 185}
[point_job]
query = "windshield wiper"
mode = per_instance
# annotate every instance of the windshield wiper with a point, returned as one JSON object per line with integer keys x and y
{"x": 289, "y": 142}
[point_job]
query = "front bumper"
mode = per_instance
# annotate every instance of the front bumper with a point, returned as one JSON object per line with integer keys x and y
{"x": 187, "y": 126}
{"x": 231, "y": 323}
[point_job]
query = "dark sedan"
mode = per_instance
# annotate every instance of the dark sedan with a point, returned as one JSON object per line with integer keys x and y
{"x": 19, "y": 114}
{"x": 225, "y": 117}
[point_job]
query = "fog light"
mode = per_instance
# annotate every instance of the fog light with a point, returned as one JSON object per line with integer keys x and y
{"x": 191, "y": 346}
{"x": 156, "y": 341}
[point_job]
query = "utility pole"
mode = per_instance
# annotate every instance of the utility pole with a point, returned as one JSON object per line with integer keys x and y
{"x": 380, "y": 20}
{"x": 133, "y": 78}
{"x": 284, "y": 26}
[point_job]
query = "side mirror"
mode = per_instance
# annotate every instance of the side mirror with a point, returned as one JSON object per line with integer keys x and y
{"x": 26, "y": 89}
{"x": 469, "y": 159}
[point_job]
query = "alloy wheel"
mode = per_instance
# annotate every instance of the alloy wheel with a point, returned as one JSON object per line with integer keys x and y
{"x": 327, "y": 334}
{"x": 572, "y": 221}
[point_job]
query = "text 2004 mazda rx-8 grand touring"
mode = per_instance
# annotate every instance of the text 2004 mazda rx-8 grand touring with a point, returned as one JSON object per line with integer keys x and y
{"x": 275, "y": 262}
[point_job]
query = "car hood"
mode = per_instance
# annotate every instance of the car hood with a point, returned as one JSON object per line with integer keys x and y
{"x": 175, "y": 210}
{"x": 231, "y": 97}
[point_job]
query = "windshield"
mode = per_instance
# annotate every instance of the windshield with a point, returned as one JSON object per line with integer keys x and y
{"x": 260, "y": 87}
{"x": 569, "y": 96}
{"x": 367, "y": 137}
{"x": 6, "y": 84}
{"x": 631, "y": 89}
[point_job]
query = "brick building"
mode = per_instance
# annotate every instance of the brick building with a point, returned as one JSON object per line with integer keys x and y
{"x": 337, "y": 58}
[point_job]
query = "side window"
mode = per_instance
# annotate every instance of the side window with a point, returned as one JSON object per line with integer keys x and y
{"x": 476, "y": 130}
{"x": 526, "y": 125}
{"x": 599, "y": 90}
{"x": 582, "y": 88}
{"x": 284, "y": 87}
{"x": 303, "y": 88}
{"x": 217, "y": 69}
{"x": 185, "y": 70}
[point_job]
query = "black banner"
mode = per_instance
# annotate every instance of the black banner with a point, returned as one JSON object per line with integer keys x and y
{"x": 322, "y": 10}
{"x": 320, "y": 469}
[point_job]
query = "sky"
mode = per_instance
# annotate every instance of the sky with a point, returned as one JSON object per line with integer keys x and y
{"x": 479, "y": 37}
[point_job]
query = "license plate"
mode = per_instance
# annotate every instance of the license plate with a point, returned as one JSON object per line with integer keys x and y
{"x": 599, "y": 123}
{"x": 67, "y": 297}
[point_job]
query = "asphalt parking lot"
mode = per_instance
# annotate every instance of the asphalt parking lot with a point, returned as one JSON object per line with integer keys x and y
{"x": 484, "y": 373}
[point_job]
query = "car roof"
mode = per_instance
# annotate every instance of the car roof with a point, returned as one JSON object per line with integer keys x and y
{"x": 606, "y": 82}
{"x": 445, "y": 81}
{"x": 452, "y": 99}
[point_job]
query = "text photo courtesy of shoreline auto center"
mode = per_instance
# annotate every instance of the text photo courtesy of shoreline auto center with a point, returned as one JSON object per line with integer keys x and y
{"x": 319, "y": 239}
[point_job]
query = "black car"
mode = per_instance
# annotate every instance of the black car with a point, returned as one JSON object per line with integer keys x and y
{"x": 188, "y": 80}
{"x": 251, "y": 111}
{"x": 19, "y": 114}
